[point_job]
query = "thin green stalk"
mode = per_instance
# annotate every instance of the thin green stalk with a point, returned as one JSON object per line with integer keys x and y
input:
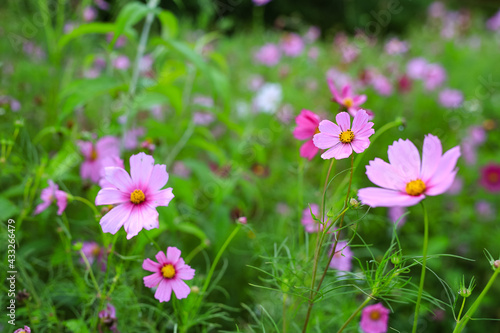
{"x": 461, "y": 309}
{"x": 91, "y": 273}
{"x": 424, "y": 263}
{"x": 468, "y": 315}
{"x": 152, "y": 241}
{"x": 354, "y": 314}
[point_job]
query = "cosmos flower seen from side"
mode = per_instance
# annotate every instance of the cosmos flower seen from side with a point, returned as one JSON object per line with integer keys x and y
{"x": 94, "y": 155}
{"x": 310, "y": 225}
{"x": 342, "y": 259}
{"x": 346, "y": 97}
{"x": 374, "y": 319}
{"x": 307, "y": 126}
{"x": 136, "y": 195}
{"x": 52, "y": 194}
{"x": 407, "y": 180}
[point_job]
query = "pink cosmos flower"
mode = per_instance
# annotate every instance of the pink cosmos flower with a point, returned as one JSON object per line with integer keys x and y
{"x": 434, "y": 76}
{"x": 102, "y": 4}
{"x": 374, "y": 319}
{"x": 108, "y": 319}
{"x": 268, "y": 55}
{"x": 89, "y": 14}
{"x": 451, "y": 98}
{"x": 93, "y": 252}
{"x": 342, "y": 259}
{"x": 26, "y": 329}
{"x": 169, "y": 273}
{"x": 349, "y": 52}
{"x": 485, "y": 209}
{"x": 120, "y": 42}
{"x": 131, "y": 138}
{"x": 494, "y": 22}
{"x": 346, "y": 97}
{"x": 396, "y": 46}
{"x": 260, "y": 2}
{"x": 307, "y": 126}
{"x": 342, "y": 139}
{"x": 310, "y": 225}
{"x": 51, "y": 194}
{"x": 121, "y": 62}
{"x": 416, "y": 68}
{"x": 109, "y": 161}
{"x": 203, "y": 118}
{"x": 292, "y": 45}
{"x": 382, "y": 85}
{"x": 312, "y": 34}
{"x": 137, "y": 196}
{"x": 95, "y": 154}
{"x": 490, "y": 177}
{"x": 395, "y": 214}
{"x": 406, "y": 180}
{"x": 475, "y": 137}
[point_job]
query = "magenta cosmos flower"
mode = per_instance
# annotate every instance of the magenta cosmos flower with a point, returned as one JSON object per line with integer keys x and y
{"x": 95, "y": 154}
{"x": 342, "y": 259}
{"x": 292, "y": 45}
{"x": 342, "y": 139}
{"x": 51, "y": 194}
{"x": 136, "y": 196}
{"x": 451, "y": 98}
{"x": 307, "y": 126}
{"x": 346, "y": 97}
{"x": 26, "y": 329}
{"x": 268, "y": 55}
{"x": 405, "y": 181}
{"x": 490, "y": 177}
{"x": 374, "y": 319}
{"x": 108, "y": 319}
{"x": 169, "y": 273}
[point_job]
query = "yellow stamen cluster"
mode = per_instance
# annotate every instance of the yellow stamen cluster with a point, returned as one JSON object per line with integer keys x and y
{"x": 317, "y": 131}
{"x": 137, "y": 197}
{"x": 415, "y": 187}
{"x": 346, "y": 136}
{"x": 168, "y": 271}
{"x": 93, "y": 155}
{"x": 375, "y": 315}
{"x": 348, "y": 102}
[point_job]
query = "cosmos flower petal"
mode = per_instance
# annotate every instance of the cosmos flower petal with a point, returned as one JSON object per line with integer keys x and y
{"x": 343, "y": 120}
{"x": 108, "y": 146}
{"x": 164, "y": 291}
{"x": 152, "y": 280}
{"x": 159, "y": 177}
{"x": 446, "y": 166}
{"x": 308, "y": 150}
{"x": 62, "y": 201}
{"x": 185, "y": 273}
{"x": 405, "y": 158}
{"x": 41, "y": 207}
{"x": 325, "y": 141}
{"x": 333, "y": 90}
{"x": 140, "y": 216}
{"x": 85, "y": 148}
{"x": 327, "y": 127}
{"x": 111, "y": 196}
{"x": 358, "y": 100}
{"x": 119, "y": 178}
{"x": 181, "y": 289}
{"x": 115, "y": 218}
{"x": 360, "y": 145}
{"x": 381, "y": 197}
{"x": 332, "y": 152}
{"x": 141, "y": 166}
{"x": 346, "y": 91}
{"x": 344, "y": 151}
{"x": 359, "y": 122}
{"x": 150, "y": 265}
{"x": 173, "y": 254}
{"x": 162, "y": 258}
{"x": 161, "y": 198}
{"x": 385, "y": 175}
{"x": 431, "y": 156}
{"x": 443, "y": 185}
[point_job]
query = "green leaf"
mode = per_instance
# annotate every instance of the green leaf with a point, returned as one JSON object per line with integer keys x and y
{"x": 76, "y": 326}
{"x": 192, "y": 229}
{"x": 85, "y": 29}
{"x": 65, "y": 159}
{"x": 7, "y": 209}
{"x": 130, "y": 15}
{"x": 185, "y": 51}
{"x": 169, "y": 24}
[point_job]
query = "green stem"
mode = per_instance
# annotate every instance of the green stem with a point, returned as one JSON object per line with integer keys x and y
{"x": 354, "y": 314}
{"x": 468, "y": 315}
{"x": 152, "y": 241}
{"x": 91, "y": 273}
{"x": 461, "y": 309}
{"x": 424, "y": 263}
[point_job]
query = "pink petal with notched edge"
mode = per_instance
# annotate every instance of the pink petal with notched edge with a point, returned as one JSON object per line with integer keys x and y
{"x": 162, "y": 259}
{"x": 332, "y": 152}
{"x": 111, "y": 196}
{"x": 181, "y": 289}
{"x": 119, "y": 178}
{"x": 325, "y": 141}
{"x": 307, "y": 123}
{"x": 445, "y": 168}
{"x": 141, "y": 166}
{"x": 185, "y": 273}
{"x": 333, "y": 90}
{"x": 327, "y": 127}
{"x": 443, "y": 186}
{"x": 159, "y": 177}
{"x": 431, "y": 156}
{"x": 358, "y": 100}
{"x": 152, "y": 280}
{"x": 381, "y": 197}
{"x": 62, "y": 201}
{"x": 308, "y": 150}
{"x": 365, "y": 132}
{"x": 360, "y": 145}
{"x": 115, "y": 218}
{"x": 385, "y": 175}
{"x": 343, "y": 121}
{"x": 404, "y": 157}
{"x": 161, "y": 198}
{"x": 164, "y": 291}
{"x": 151, "y": 266}
{"x": 173, "y": 254}
{"x": 140, "y": 217}
{"x": 359, "y": 121}
{"x": 344, "y": 152}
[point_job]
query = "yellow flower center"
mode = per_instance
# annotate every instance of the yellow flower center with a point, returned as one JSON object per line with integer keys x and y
{"x": 348, "y": 102}
{"x": 317, "y": 131}
{"x": 346, "y": 136}
{"x": 375, "y": 315}
{"x": 93, "y": 155}
{"x": 168, "y": 271}
{"x": 137, "y": 196}
{"x": 415, "y": 187}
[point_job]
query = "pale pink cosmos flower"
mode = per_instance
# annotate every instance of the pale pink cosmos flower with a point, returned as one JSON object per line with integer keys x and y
{"x": 203, "y": 118}
{"x": 121, "y": 62}
{"x": 396, "y": 46}
{"x": 292, "y": 45}
{"x": 169, "y": 273}
{"x": 120, "y": 41}
{"x": 89, "y": 14}
{"x": 102, "y": 4}
{"x": 346, "y": 97}
{"x": 310, "y": 225}
{"x": 494, "y": 22}
{"x": 131, "y": 138}
{"x": 406, "y": 180}
{"x": 312, "y": 34}
{"x": 451, "y": 98}
{"x": 342, "y": 139}
{"x": 307, "y": 126}
{"x": 434, "y": 76}
{"x": 416, "y": 68}
{"x": 136, "y": 196}
{"x": 374, "y": 319}
{"x": 52, "y": 194}
{"x": 342, "y": 259}
{"x": 382, "y": 85}
{"x": 268, "y": 55}
{"x": 109, "y": 161}
{"x": 94, "y": 154}
{"x": 26, "y": 329}
{"x": 93, "y": 252}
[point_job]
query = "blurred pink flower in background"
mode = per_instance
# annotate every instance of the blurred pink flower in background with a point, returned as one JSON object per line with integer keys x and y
{"x": 434, "y": 76}
{"x": 180, "y": 169}
{"x": 203, "y": 118}
{"x": 292, "y": 44}
{"x": 260, "y": 2}
{"x": 13, "y": 103}
{"x": 312, "y": 34}
{"x": 382, "y": 85}
{"x": 121, "y": 62}
{"x": 89, "y": 14}
{"x": 494, "y": 22}
{"x": 416, "y": 68}
{"x": 131, "y": 138}
{"x": 396, "y": 46}
{"x": 268, "y": 55}
{"x": 346, "y": 97}
{"x": 342, "y": 259}
{"x": 374, "y": 319}
{"x": 255, "y": 82}
{"x": 108, "y": 319}
{"x": 25, "y": 329}
{"x": 52, "y": 194}
{"x": 313, "y": 53}
{"x": 310, "y": 225}
{"x": 485, "y": 209}
{"x": 102, "y": 4}
{"x": 349, "y": 53}
{"x": 268, "y": 98}
{"x": 451, "y": 98}
{"x": 169, "y": 274}
{"x": 395, "y": 213}
{"x": 437, "y": 10}
{"x": 69, "y": 26}
{"x": 490, "y": 177}
{"x": 342, "y": 139}
{"x": 456, "y": 186}
{"x": 285, "y": 114}
{"x": 94, "y": 155}
{"x": 205, "y": 101}
{"x": 476, "y": 135}
{"x": 157, "y": 112}
{"x": 120, "y": 42}
{"x": 406, "y": 180}
{"x": 146, "y": 63}
{"x": 307, "y": 126}
{"x": 404, "y": 84}
{"x": 94, "y": 253}
{"x": 109, "y": 161}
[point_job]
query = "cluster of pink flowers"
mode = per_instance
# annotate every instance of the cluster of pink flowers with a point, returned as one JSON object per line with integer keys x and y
{"x": 433, "y": 75}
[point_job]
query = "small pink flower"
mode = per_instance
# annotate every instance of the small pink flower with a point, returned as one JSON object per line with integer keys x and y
{"x": 434, "y": 76}
{"x": 406, "y": 180}
{"x": 416, "y": 68}
{"x": 51, "y": 194}
{"x": 346, "y": 97}
{"x": 180, "y": 169}
{"x": 342, "y": 259}
{"x": 242, "y": 220}
{"x": 26, "y": 329}
{"x": 451, "y": 98}
{"x": 312, "y": 34}
{"x": 89, "y": 14}
{"x": 268, "y": 55}
{"x": 94, "y": 154}
{"x": 108, "y": 319}
{"x": 374, "y": 319}
{"x": 93, "y": 252}
{"x": 120, "y": 42}
{"x": 121, "y": 62}
{"x": 169, "y": 273}
{"x": 131, "y": 138}
{"x": 490, "y": 177}
{"x": 136, "y": 196}
{"x": 203, "y": 118}
{"x": 382, "y": 85}
{"x": 102, "y": 4}
{"x": 307, "y": 126}
{"x": 260, "y": 2}
{"x": 396, "y": 46}
{"x": 485, "y": 209}
{"x": 310, "y": 225}
{"x": 494, "y": 22}
{"x": 313, "y": 53}
{"x": 342, "y": 139}
{"x": 292, "y": 45}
